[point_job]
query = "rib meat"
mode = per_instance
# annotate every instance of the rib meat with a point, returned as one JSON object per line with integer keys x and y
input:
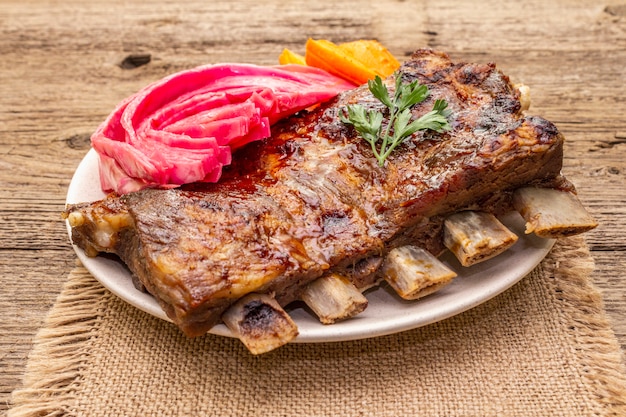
{"x": 312, "y": 199}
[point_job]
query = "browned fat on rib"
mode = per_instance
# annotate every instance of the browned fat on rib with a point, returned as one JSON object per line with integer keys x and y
{"x": 312, "y": 199}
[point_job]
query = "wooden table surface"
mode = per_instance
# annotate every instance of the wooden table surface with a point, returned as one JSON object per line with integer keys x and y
{"x": 61, "y": 74}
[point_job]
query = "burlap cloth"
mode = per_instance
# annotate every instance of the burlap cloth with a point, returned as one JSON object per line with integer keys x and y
{"x": 542, "y": 348}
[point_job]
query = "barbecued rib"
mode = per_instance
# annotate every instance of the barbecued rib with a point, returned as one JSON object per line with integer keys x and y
{"x": 312, "y": 199}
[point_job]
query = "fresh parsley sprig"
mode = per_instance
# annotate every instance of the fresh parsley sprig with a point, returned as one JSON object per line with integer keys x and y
{"x": 369, "y": 122}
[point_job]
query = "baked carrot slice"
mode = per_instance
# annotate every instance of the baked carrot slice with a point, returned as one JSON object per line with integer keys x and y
{"x": 290, "y": 57}
{"x": 332, "y": 58}
{"x": 373, "y": 55}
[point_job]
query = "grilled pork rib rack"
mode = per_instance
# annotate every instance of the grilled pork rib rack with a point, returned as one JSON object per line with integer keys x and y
{"x": 309, "y": 214}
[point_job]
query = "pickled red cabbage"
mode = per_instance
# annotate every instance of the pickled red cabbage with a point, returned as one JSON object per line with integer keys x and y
{"x": 183, "y": 128}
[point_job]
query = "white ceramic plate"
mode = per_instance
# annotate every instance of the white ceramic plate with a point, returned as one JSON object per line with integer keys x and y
{"x": 386, "y": 313}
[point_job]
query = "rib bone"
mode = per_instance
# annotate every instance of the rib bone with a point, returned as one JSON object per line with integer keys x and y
{"x": 524, "y": 96}
{"x": 333, "y": 297}
{"x": 260, "y": 323}
{"x": 414, "y": 273}
{"x": 551, "y": 213}
{"x": 474, "y": 236}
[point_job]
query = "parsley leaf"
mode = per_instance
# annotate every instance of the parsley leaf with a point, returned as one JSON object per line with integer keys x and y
{"x": 369, "y": 122}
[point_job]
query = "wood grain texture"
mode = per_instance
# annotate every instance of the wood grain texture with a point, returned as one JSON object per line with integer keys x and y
{"x": 61, "y": 74}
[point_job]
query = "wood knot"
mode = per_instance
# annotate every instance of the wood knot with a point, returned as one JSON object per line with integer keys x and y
{"x": 616, "y": 10}
{"x": 133, "y": 61}
{"x": 79, "y": 141}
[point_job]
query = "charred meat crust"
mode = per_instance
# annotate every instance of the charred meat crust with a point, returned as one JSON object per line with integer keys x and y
{"x": 312, "y": 199}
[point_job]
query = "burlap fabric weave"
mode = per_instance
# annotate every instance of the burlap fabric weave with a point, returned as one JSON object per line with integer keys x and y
{"x": 542, "y": 348}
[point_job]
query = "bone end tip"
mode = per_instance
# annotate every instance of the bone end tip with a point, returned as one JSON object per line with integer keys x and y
{"x": 260, "y": 323}
{"x": 415, "y": 273}
{"x": 334, "y": 298}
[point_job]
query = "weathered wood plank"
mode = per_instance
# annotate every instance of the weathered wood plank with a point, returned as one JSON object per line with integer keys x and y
{"x": 31, "y": 280}
{"x": 60, "y": 76}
